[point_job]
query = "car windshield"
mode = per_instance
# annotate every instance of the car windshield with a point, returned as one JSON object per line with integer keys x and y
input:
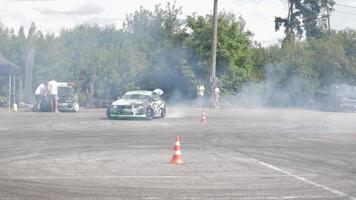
{"x": 65, "y": 91}
{"x": 137, "y": 96}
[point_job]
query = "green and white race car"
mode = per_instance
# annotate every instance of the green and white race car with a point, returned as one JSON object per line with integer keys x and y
{"x": 138, "y": 104}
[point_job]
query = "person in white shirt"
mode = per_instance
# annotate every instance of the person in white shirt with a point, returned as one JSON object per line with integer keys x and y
{"x": 200, "y": 95}
{"x": 216, "y": 97}
{"x": 40, "y": 94}
{"x": 53, "y": 93}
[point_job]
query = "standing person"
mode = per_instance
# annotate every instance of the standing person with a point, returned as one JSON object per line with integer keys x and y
{"x": 200, "y": 95}
{"x": 216, "y": 97}
{"x": 90, "y": 94}
{"x": 53, "y": 93}
{"x": 40, "y": 94}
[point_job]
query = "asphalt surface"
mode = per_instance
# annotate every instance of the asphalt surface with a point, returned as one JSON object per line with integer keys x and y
{"x": 247, "y": 154}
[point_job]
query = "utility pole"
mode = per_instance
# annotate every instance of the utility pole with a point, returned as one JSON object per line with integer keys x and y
{"x": 29, "y": 74}
{"x": 213, "y": 50}
{"x": 289, "y": 18}
{"x": 328, "y": 16}
{"x": 9, "y": 103}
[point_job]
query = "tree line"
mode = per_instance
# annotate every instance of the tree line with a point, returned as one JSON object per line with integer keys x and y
{"x": 160, "y": 49}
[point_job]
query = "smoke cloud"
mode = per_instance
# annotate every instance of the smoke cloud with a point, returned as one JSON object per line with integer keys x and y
{"x": 277, "y": 90}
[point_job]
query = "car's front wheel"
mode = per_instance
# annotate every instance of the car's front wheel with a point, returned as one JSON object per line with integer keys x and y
{"x": 76, "y": 107}
{"x": 149, "y": 114}
{"x": 108, "y": 113}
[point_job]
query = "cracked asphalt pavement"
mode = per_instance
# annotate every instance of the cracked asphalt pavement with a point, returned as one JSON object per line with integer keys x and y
{"x": 247, "y": 154}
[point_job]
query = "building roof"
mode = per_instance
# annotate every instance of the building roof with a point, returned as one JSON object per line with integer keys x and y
{"x": 7, "y": 67}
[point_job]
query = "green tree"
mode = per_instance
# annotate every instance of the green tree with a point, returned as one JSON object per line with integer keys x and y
{"x": 334, "y": 58}
{"x": 305, "y": 16}
{"x": 234, "y": 55}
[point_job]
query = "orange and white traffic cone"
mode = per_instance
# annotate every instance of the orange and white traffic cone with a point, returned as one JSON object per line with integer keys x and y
{"x": 203, "y": 118}
{"x": 177, "y": 155}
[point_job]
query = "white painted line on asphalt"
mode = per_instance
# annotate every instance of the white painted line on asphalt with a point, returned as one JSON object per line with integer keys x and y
{"x": 262, "y": 176}
{"x": 308, "y": 197}
{"x": 92, "y": 177}
{"x": 334, "y": 191}
{"x": 246, "y": 198}
{"x": 286, "y": 197}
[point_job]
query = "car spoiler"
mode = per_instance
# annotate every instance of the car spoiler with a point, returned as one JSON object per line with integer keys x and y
{"x": 158, "y": 91}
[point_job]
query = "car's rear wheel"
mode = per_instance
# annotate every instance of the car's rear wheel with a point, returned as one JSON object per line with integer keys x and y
{"x": 163, "y": 112}
{"x": 149, "y": 114}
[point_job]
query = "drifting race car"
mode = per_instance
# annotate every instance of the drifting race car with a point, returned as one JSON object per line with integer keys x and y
{"x": 138, "y": 104}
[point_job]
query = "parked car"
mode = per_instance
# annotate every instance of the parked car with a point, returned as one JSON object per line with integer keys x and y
{"x": 3, "y": 101}
{"x": 338, "y": 97}
{"x": 138, "y": 104}
{"x": 68, "y": 99}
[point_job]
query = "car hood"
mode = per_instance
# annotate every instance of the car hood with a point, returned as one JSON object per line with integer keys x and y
{"x": 124, "y": 102}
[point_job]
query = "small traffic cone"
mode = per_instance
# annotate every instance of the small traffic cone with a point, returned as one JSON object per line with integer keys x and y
{"x": 177, "y": 155}
{"x": 203, "y": 118}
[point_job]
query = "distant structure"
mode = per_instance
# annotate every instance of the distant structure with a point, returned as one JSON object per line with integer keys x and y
{"x": 11, "y": 70}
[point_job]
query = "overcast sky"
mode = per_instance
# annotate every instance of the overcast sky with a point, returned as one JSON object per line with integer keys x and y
{"x": 52, "y": 15}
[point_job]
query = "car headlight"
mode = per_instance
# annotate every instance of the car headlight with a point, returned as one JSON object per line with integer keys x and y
{"x": 114, "y": 106}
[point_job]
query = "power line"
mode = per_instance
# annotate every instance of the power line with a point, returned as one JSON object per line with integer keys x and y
{"x": 346, "y": 6}
{"x": 345, "y": 12}
{"x": 348, "y": 13}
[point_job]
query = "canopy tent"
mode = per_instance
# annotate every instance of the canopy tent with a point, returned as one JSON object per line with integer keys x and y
{"x": 9, "y": 69}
